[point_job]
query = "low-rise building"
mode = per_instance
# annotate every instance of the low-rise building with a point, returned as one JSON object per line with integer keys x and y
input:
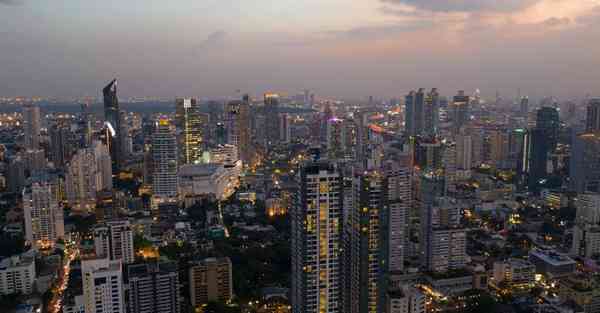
{"x": 202, "y": 179}
{"x": 551, "y": 263}
{"x": 211, "y": 280}
{"x": 17, "y": 275}
{"x": 514, "y": 274}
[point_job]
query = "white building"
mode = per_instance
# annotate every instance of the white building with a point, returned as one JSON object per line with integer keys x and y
{"x": 400, "y": 200}
{"x": 586, "y": 233}
{"x": 17, "y": 275}
{"x": 515, "y": 272}
{"x": 31, "y": 125}
{"x": 115, "y": 241}
{"x": 102, "y": 286}
{"x": 224, "y": 154}
{"x": 405, "y": 300}
{"x": 103, "y": 165}
{"x": 204, "y": 179}
{"x": 44, "y": 222}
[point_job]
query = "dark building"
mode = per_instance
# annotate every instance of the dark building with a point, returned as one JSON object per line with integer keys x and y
{"x": 414, "y": 103}
{"x": 593, "y": 116}
{"x": 548, "y": 122}
{"x": 112, "y": 120}
{"x": 585, "y": 163}
{"x": 153, "y": 288}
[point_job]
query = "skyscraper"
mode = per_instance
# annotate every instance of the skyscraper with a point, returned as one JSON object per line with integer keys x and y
{"x": 460, "y": 110}
{"x": 112, "y": 120}
{"x": 524, "y": 109}
{"x": 431, "y": 113}
{"x": 540, "y": 149}
{"x": 586, "y": 233}
{"x": 414, "y": 106}
{"x": 31, "y": 125}
{"x": 164, "y": 155}
{"x": 593, "y": 116}
{"x": 153, "y": 287}
{"x": 548, "y": 122}
{"x": 82, "y": 179}
{"x": 335, "y": 138}
{"x": 189, "y": 130}
{"x": 44, "y": 222}
{"x": 239, "y": 127}
{"x": 272, "y": 121}
{"x": 61, "y": 148}
{"x": 316, "y": 237}
{"x": 585, "y": 164}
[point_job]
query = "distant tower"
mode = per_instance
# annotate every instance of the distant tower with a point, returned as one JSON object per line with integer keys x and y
{"x": 431, "y": 113}
{"x": 272, "y": 120}
{"x": 164, "y": 154}
{"x": 460, "y": 111}
{"x": 239, "y": 127}
{"x": 593, "y": 116}
{"x": 112, "y": 119}
{"x": 31, "y": 124}
{"x": 524, "y": 106}
{"x": 189, "y": 130}
{"x": 414, "y": 102}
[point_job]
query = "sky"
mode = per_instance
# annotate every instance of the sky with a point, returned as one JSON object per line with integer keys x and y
{"x": 335, "y": 48}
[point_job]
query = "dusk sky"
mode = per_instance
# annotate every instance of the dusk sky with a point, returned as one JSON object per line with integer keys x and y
{"x": 345, "y": 48}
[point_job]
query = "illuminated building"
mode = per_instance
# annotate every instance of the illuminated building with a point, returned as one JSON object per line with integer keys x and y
{"x": 316, "y": 240}
{"x": 212, "y": 178}
{"x": 499, "y": 148}
{"x": 514, "y": 273}
{"x": 211, "y": 280}
{"x": 189, "y": 130}
{"x": 165, "y": 159}
{"x": 82, "y": 180}
{"x": 431, "y": 113}
{"x": 551, "y": 263}
{"x": 586, "y": 233}
{"x": 44, "y": 222}
{"x": 153, "y": 287}
{"x": 31, "y": 125}
{"x": 399, "y": 198}
{"x": 405, "y": 299}
{"x": 61, "y": 148}
{"x": 275, "y": 207}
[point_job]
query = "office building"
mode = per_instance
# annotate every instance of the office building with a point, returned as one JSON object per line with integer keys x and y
{"x": 586, "y": 233}
{"x": 551, "y": 263}
{"x": 17, "y": 275}
{"x": 585, "y": 164}
{"x": 547, "y": 120}
{"x": 399, "y": 201}
{"x": 189, "y": 130}
{"x": 272, "y": 120}
{"x": 524, "y": 107}
{"x": 44, "y": 221}
{"x": 165, "y": 160}
{"x": 335, "y": 139}
{"x": 211, "y": 280}
{"x": 16, "y": 175}
{"x": 316, "y": 236}
{"x": 114, "y": 240}
{"x": 31, "y": 126}
{"x": 414, "y": 106}
{"x": 83, "y": 180}
{"x": 103, "y": 166}
{"x": 61, "y": 138}
{"x": 239, "y": 127}
{"x": 538, "y": 161}
{"x": 153, "y": 287}
{"x": 112, "y": 121}
{"x": 103, "y": 290}
{"x": 431, "y": 113}
{"x": 593, "y": 116}
{"x": 460, "y": 111}
{"x": 499, "y": 149}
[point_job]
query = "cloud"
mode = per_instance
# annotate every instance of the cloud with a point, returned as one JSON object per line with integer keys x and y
{"x": 466, "y": 5}
{"x": 376, "y": 32}
{"x": 557, "y": 22}
{"x": 214, "y": 39}
{"x": 11, "y": 2}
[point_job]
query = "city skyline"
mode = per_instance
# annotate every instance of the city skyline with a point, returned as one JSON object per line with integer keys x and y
{"x": 377, "y": 47}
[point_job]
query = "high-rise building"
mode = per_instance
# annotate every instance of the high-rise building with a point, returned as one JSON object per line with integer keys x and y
{"x": 239, "y": 127}
{"x": 431, "y": 113}
{"x": 211, "y": 280}
{"x": 102, "y": 286}
{"x": 593, "y": 116}
{"x": 31, "y": 126}
{"x": 414, "y": 110}
{"x": 189, "y": 130}
{"x": 443, "y": 241}
{"x": 153, "y": 287}
{"x": 44, "y": 221}
{"x": 586, "y": 233}
{"x": 125, "y": 141}
{"x": 538, "y": 161}
{"x": 585, "y": 164}
{"x": 460, "y": 111}
{"x": 17, "y": 275}
{"x": 524, "y": 106}
{"x": 103, "y": 166}
{"x": 16, "y": 175}
{"x": 316, "y": 240}
{"x": 464, "y": 152}
{"x": 164, "y": 155}
{"x": 335, "y": 139}
{"x": 399, "y": 198}
{"x": 113, "y": 120}
{"x": 548, "y": 122}
{"x": 499, "y": 148}
{"x": 82, "y": 180}
{"x": 271, "y": 111}
{"x": 61, "y": 148}
{"x": 114, "y": 240}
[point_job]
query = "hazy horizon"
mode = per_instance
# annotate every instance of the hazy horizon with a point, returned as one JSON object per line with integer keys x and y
{"x": 341, "y": 48}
